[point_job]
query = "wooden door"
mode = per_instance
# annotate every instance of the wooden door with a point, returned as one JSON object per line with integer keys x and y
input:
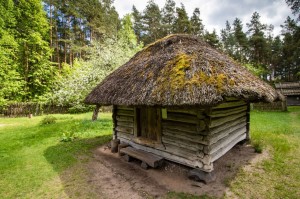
{"x": 149, "y": 123}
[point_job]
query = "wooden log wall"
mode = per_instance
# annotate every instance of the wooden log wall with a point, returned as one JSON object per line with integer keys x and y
{"x": 194, "y": 137}
{"x": 184, "y": 133}
{"x": 124, "y": 121}
{"x": 228, "y": 126}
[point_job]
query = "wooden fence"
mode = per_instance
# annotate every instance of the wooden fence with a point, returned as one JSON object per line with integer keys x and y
{"x": 275, "y": 106}
{"x": 26, "y": 108}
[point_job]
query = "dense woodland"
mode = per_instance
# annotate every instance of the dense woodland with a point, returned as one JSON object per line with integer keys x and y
{"x": 58, "y": 50}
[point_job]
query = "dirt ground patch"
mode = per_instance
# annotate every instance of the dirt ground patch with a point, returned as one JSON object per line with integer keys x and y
{"x": 110, "y": 176}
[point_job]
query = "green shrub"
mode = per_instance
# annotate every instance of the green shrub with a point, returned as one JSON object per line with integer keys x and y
{"x": 68, "y": 137}
{"x": 80, "y": 108}
{"x": 49, "y": 119}
{"x": 258, "y": 147}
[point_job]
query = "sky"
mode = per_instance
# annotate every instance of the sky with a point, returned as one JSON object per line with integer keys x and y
{"x": 214, "y": 13}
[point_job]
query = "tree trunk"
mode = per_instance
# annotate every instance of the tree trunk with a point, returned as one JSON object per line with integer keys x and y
{"x": 57, "y": 49}
{"x": 95, "y": 113}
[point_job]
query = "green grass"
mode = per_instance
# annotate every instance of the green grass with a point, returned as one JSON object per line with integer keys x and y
{"x": 31, "y": 154}
{"x": 279, "y": 175}
{"x": 33, "y": 161}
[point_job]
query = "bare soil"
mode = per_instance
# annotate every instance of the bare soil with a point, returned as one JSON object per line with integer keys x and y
{"x": 110, "y": 176}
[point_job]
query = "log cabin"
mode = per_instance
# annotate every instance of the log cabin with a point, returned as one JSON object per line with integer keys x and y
{"x": 182, "y": 100}
{"x": 291, "y": 90}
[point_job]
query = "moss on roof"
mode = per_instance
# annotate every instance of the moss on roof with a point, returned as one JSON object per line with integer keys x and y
{"x": 180, "y": 70}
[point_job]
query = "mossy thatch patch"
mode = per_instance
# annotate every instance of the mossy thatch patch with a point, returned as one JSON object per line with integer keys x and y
{"x": 180, "y": 70}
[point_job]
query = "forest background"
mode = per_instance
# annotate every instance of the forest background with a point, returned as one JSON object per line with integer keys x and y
{"x": 56, "y": 51}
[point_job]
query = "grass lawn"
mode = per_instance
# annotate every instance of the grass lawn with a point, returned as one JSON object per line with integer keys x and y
{"x": 279, "y": 175}
{"x": 32, "y": 158}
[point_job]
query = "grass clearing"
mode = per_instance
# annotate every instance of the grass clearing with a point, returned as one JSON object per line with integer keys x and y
{"x": 279, "y": 176}
{"x": 34, "y": 163}
{"x": 32, "y": 156}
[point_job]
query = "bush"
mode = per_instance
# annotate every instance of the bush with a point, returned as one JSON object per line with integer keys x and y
{"x": 80, "y": 108}
{"x": 68, "y": 137}
{"x": 48, "y": 120}
{"x": 258, "y": 147}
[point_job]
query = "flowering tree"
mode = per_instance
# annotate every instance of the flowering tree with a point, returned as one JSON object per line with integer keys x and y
{"x": 104, "y": 57}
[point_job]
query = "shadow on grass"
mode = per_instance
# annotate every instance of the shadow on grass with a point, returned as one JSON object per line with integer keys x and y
{"x": 69, "y": 160}
{"x": 65, "y": 154}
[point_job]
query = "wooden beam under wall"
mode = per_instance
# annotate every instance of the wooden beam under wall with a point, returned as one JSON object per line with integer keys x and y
{"x": 175, "y": 158}
{"x": 248, "y": 122}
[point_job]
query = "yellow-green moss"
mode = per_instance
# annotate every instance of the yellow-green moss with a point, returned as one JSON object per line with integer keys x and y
{"x": 178, "y": 67}
{"x": 218, "y": 81}
{"x": 231, "y": 82}
{"x": 174, "y": 77}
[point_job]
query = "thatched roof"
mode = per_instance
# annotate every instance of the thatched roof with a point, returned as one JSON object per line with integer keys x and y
{"x": 179, "y": 70}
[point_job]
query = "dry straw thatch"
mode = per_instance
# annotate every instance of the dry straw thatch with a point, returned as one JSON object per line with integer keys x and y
{"x": 179, "y": 70}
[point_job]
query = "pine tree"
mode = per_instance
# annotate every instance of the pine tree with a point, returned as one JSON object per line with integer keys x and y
{"x": 137, "y": 23}
{"x": 75, "y": 24}
{"x": 152, "y": 23}
{"x": 276, "y": 57}
{"x": 290, "y": 50}
{"x": 228, "y": 40}
{"x": 168, "y": 17}
{"x": 212, "y": 39}
{"x": 182, "y": 23}
{"x": 295, "y": 6}
{"x": 257, "y": 41}
{"x": 196, "y": 24}
{"x": 241, "y": 40}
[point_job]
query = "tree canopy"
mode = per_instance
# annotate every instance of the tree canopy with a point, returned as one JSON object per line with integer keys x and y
{"x": 58, "y": 50}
